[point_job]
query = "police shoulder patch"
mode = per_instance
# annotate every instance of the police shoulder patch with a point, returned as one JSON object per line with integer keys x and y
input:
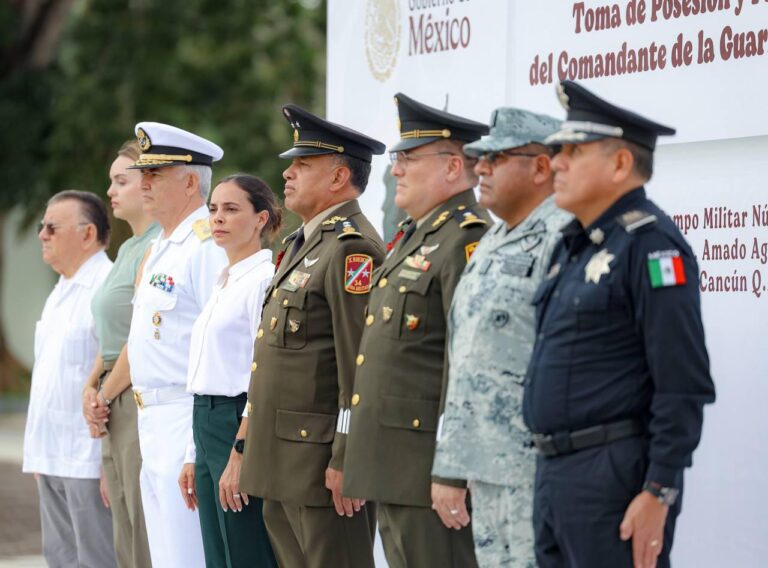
{"x": 357, "y": 273}
{"x": 202, "y": 229}
{"x": 633, "y": 220}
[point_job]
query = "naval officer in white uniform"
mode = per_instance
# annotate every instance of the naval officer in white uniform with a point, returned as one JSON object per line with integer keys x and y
{"x": 174, "y": 284}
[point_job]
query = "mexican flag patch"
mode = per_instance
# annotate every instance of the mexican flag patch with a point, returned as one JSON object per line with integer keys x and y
{"x": 665, "y": 267}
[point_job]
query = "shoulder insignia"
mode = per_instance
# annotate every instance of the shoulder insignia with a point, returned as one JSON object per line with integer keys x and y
{"x": 469, "y": 249}
{"x": 346, "y": 228}
{"x": 202, "y": 229}
{"x": 333, "y": 220}
{"x": 441, "y": 218}
{"x": 633, "y": 220}
{"x": 467, "y": 218}
{"x": 357, "y": 273}
{"x": 665, "y": 268}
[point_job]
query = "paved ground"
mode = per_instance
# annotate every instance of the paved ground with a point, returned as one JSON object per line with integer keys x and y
{"x": 19, "y": 513}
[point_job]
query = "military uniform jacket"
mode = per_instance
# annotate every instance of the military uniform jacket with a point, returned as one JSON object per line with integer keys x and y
{"x": 491, "y": 333}
{"x": 401, "y": 368}
{"x": 619, "y": 335}
{"x": 304, "y": 360}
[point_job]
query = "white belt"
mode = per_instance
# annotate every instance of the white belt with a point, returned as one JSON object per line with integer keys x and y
{"x": 159, "y": 396}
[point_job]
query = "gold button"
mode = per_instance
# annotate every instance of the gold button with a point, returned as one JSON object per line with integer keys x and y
{"x": 360, "y": 359}
{"x": 369, "y": 320}
{"x": 274, "y": 293}
{"x": 253, "y": 366}
{"x": 355, "y": 399}
{"x": 402, "y": 289}
{"x": 260, "y": 333}
{"x": 285, "y": 302}
{"x": 382, "y": 282}
{"x": 461, "y": 207}
{"x": 416, "y": 422}
{"x": 303, "y": 433}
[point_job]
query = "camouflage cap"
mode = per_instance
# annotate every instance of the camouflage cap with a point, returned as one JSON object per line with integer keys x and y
{"x": 512, "y": 128}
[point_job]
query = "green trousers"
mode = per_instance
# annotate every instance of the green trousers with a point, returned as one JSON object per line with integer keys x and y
{"x": 231, "y": 539}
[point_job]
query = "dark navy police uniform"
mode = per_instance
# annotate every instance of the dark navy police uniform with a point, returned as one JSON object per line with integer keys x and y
{"x": 617, "y": 382}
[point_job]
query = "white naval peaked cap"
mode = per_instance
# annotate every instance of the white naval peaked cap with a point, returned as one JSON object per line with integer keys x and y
{"x": 165, "y": 145}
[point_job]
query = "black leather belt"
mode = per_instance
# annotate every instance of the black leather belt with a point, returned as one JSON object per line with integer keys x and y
{"x": 561, "y": 443}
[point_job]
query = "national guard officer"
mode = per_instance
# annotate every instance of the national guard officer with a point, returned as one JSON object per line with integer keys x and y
{"x": 619, "y": 373}
{"x": 304, "y": 358}
{"x": 174, "y": 285}
{"x": 490, "y": 330}
{"x": 401, "y": 370}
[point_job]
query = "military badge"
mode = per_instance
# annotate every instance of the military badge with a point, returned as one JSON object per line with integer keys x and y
{"x": 294, "y": 325}
{"x": 665, "y": 268}
{"x": 425, "y": 250}
{"x": 143, "y": 138}
{"x": 563, "y": 96}
{"x": 157, "y": 319}
{"x": 598, "y": 265}
{"x": 273, "y": 323}
{"x": 469, "y": 249}
{"x": 417, "y": 261}
{"x": 357, "y": 273}
{"x": 296, "y": 280}
{"x": 157, "y": 334}
{"x": 411, "y": 321}
{"x": 333, "y": 220}
{"x": 162, "y": 281}
{"x": 295, "y": 135}
{"x": 597, "y": 236}
{"x": 386, "y": 313}
{"x": 442, "y": 217}
{"x": 309, "y": 263}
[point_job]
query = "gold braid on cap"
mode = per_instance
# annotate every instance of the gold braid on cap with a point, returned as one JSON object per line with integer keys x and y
{"x": 444, "y": 133}
{"x": 161, "y": 159}
{"x": 318, "y": 144}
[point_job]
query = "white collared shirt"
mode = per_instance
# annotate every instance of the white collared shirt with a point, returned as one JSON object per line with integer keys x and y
{"x": 176, "y": 283}
{"x": 221, "y": 349}
{"x": 56, "y": 439}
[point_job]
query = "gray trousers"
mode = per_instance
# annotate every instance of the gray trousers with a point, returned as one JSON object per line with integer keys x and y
{"x": 77, "y": 528}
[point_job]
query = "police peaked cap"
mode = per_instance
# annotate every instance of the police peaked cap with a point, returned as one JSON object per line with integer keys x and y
{"x": 592, "y": 118}
{"x": 163, "y": 145}
{"x": 314, "y": 136}
{"x": 420, "y": 124}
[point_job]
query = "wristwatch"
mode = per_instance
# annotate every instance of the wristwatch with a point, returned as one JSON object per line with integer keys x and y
{"x": 239, "y": 446}
{"x": 666, "y": 495}
{"x": 107, "y": 401}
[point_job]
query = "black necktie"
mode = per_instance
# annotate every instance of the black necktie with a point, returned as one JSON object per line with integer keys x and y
{"x": 408, "y": 232}
{"x": 298, "y": 242}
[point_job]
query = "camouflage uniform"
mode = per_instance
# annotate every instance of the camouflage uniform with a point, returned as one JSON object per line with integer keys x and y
{"x": 483, "y": 438}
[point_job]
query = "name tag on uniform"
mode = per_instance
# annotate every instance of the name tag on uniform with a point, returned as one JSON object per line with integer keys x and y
{"x": 296, "y": 280}
{"x": 409, "y": 274}
{"x": 518, "y": 265}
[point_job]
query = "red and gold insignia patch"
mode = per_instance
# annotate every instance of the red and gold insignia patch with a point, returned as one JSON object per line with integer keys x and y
{"x": 357, "y": 273}
{"x": 469, "y": 249}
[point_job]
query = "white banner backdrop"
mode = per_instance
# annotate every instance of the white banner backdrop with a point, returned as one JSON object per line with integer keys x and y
{"x": 479, "y": 54}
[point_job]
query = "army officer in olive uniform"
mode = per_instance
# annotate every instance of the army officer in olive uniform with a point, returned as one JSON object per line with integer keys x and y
{"x": 401, "y": 367}
{"x": 301, "y": 386}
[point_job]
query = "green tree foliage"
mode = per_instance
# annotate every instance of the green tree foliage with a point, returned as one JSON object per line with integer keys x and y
{"x": 219, "y": 68}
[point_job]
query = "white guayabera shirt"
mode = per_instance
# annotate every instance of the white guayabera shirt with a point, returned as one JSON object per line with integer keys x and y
{"x": 56, "y": 440}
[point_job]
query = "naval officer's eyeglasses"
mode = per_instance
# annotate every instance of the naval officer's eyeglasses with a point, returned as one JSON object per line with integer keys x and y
{"x": 403, "y": 158}
{"x": 50, "y": 228}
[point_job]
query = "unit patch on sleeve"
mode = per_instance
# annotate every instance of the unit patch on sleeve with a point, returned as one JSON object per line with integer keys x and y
{"x": 665, "y": 268}
{"x": 469, "y": 249}
{"x": 357, "y": 273}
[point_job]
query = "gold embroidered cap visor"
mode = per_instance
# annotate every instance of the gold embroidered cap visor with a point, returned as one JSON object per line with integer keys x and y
{"x": 164, "y": 156}
{"x": 314, "y": 136}
{"x": 420, "y": 124}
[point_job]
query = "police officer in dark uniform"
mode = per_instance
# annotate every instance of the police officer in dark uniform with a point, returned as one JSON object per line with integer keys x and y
{"x": 402, "y": 373}
{"x": 619, "y": 375}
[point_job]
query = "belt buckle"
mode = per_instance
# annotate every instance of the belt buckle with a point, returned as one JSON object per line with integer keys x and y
{"x": 138, "y": 400}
